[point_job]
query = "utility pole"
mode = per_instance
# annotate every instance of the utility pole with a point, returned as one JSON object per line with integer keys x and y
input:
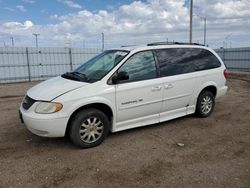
{"x": 83, "y": 43}
{"x": 102, "y": 41}
{"x": 12, "y": 41}
{"x": 191, "y": 21}
{"x": 205, "y": 27}
{"x": 36, "y": 35}
{"x": 227, "y": 39}
{"x": 205, "y": 30}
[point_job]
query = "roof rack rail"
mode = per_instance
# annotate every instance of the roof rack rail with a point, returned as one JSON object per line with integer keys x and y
{"x": 130, "y": 45}
{"x": 172, "y": 43}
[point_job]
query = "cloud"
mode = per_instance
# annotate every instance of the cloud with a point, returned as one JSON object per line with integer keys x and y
{"x": 28, "y": 1}
{"x": 21, "y": 8}
{"x": 28, "y": 24}
{"x": 72, "y": 4}
{"x": 141, "y": 22}
{"x": 55, "y": 16}
{"x": 9, "y": 9}
{"x": 16, "y": 26}
{"x": 224, "y": 8}
{"x": 137, "y": 17}
{"x": 44, "y": 11}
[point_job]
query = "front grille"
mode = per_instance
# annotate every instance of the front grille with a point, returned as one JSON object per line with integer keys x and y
{"x": 28, "y": 102}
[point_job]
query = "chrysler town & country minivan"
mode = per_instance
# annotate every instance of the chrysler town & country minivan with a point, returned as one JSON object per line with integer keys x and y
{"x": 126, "y": 88}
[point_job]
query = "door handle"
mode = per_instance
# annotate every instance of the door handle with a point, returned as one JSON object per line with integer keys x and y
{"x": 156, "y": 88}
{"x": 169, "y": 86}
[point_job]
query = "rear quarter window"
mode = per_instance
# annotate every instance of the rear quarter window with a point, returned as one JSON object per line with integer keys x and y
{"x": 174, "y": 61}
{"x": 204, "y": 59}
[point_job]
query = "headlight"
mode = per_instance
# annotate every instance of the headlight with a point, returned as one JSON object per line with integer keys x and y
{"x": 48, "y": 107}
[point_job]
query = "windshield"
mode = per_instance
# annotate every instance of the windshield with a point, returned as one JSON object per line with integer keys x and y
{"x": 97, "y": 67}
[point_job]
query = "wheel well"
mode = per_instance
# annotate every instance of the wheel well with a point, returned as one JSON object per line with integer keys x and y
{"x": 212, "y": 89}
{"x": 100, "y": 106}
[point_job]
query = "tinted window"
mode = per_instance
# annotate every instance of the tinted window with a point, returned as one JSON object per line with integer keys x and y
{"x": 175, "y": 61}
{"x": 204, "y": 59}
{"x": 140, "y": 66}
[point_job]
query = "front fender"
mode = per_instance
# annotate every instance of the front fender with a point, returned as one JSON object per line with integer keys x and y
{"x": 83, "y": 102}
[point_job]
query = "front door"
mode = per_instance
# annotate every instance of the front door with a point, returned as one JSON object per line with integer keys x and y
{"x": 138, "y": 99}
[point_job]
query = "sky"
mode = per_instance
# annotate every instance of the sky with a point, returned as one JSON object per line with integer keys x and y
{"x": 80, "y": 23}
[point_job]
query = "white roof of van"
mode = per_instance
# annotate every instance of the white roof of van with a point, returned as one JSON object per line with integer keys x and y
{"x": 159, "y": 46}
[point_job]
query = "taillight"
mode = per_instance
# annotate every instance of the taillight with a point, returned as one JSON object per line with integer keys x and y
{"x": 226, "y": 73}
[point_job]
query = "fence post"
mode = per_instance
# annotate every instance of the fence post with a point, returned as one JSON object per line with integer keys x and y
{"x": 70, "y": 59}
{"x": 223, "y": 56}
{"x": 28, "y": 63}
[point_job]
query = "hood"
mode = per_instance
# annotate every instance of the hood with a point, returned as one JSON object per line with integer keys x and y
{"x": 52, "y": 88}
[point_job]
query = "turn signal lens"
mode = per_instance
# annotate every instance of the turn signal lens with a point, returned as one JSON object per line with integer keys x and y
{"x": 58, "y": 106}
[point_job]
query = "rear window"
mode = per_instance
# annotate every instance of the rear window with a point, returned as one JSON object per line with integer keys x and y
{"x": 174, "y": 61}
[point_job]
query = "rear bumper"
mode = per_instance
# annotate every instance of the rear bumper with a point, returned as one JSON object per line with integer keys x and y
{"x": 50, "y": 127}
{"x": 222, "y": 91}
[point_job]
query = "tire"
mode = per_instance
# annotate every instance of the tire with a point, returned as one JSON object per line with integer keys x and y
{"x": 205, "y": 104}
{"x": 89, "y": 128}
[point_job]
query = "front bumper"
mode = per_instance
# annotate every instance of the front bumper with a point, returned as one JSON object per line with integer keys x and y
{"x": 20, "y": 116}
{"x": 46, "y": 125}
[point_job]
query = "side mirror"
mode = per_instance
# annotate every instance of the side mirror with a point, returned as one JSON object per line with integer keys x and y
{"x": 121, "y": 76}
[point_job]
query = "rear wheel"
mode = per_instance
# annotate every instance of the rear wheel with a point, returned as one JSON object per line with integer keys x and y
{"x": 89, "y": 128}
{"x": 205, "y": 103}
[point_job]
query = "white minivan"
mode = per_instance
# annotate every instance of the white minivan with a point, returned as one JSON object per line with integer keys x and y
{"x": 126, "y": 88}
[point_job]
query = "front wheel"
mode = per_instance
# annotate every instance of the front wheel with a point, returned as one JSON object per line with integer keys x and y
{"x": 205, "y": 104}
{"x": 89, "y": 128}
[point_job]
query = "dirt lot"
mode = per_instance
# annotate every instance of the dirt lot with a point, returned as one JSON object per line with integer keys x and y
{"x": 216, "y": 151}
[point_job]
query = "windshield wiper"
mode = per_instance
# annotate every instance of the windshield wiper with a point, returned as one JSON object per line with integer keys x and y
{"x": 81, "y": 75}
{"x": 75, "y": 76}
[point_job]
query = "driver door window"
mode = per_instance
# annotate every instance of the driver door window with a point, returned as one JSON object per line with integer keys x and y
{"x": 140, "y": 66}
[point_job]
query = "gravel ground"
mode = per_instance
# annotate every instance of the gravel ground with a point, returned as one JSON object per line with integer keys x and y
{"x": 216, "y": 151}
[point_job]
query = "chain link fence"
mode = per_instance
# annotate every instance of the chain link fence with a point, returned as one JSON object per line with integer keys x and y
{"x": 235, "y": 58}
{"x": 19, "y": 64}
